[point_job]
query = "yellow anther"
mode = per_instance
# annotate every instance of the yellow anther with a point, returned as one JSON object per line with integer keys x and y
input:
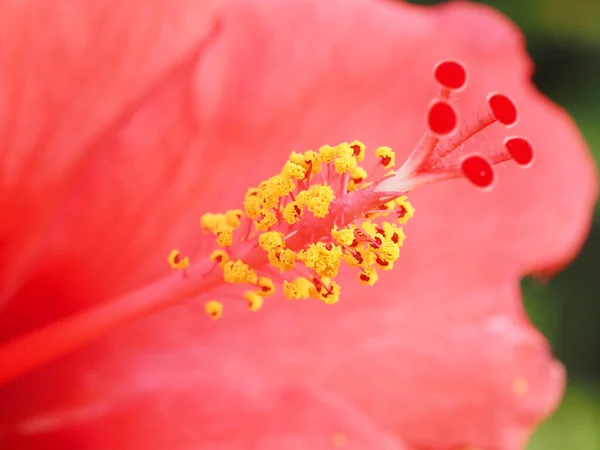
{"x": 225, "y": 238}
{"x": 252, "y": 204}
{"x": 328, "y": 292}
{"x": 210, "y": 222}
{"x": 233, "y": 217}
{"x": 357, "y": 176}
{"x": 323, "y": 260}
{"x": 317, "y": 199}
{"x": 238, "y": 272}
{"x": 388, "y": 251}
{"x": 312, "y": 159}
{"x": 309, "y": 160}
{"x": 368, "y": 276}
{"x": 213, "y": 309}
{"x": 358, "y": 149}
{"x": 393, "y": 232}
{"x": 293, "y": 170}
{"x": 280, "y": 185}
{"x": 390, "y": 206}
{"x": 176, "y": 261}
{"x": 292, "y": 212}
{"x": 361, "y": 257}
{"x": 344, "y": 159}
{"x": 255, "y": 301}
{"x": 299, "y": 289}
{"x": 387, "y": 156}
{"x": 327, "y": 153}
{"x": 371, "y": 229}
{"x": 345, "y": 236}
{"x": 266, "y": 287}
{"x": 268, "y": 219}
{"x": 273, "y": 189}
{"x": 283, "y": 259}
{"x": 405, "y": 209}
{"x": 219, "y": 256}
{"x": 270, "y": 240}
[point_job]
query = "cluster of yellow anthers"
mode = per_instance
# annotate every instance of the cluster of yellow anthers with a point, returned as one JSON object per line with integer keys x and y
{"x": 289, "y": 223}
{"x": 322, "y": 209}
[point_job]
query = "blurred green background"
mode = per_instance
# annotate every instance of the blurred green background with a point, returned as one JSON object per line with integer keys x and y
{"x": 563, "y": 38}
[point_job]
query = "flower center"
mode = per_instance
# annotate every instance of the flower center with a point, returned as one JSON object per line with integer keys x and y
{"x": 323, "y": 209}
{"x": 297, "y": 228}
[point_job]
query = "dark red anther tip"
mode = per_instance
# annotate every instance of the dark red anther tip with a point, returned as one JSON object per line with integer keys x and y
{"x": 450, "y": 74}
{"x": 477, "y": 170}
{"x": 441, "y": 118}
{"x": 520, "y": 150}
{"x": 503, "y": 108}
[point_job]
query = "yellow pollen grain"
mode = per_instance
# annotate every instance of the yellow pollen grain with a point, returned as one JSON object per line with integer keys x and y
{"x": 214, "y": 309}
{"x": 269, "y": 191}
{"x": 238, "y": 272}
{"x": 359, "y": 150}
{"x": 371, "y": 229}
{"x": 310, "y": 160}
{"x": 325, "y": 262}
{"x": 252, "y": 205}
{"x": 357, "y": 176}
{"x": 209, "y": 221}
{"x": 345, "y": 236}
{"x": 283, "y": 259}
{"x": 225, "y": 238}
{"x": 520, "y": 386}
{"x": 388, "y": 251}
{"x": 268, "y": 219}
{"x": 409, "y": 210}
{"x": 317, "y": 199}
{"x": 219, "y": 256}
{"x": 292, "y": 212}
{"x": 368, "y": 276}
{"x": 293, "y": 170}
{"x": 393, "y": 232}
{"x": 176, "y": 261}
{"x": 329, "y": 293}
{"x": 255, "y": 301}
{"x": 270, "y": 240}
{"x": 281, "y": 185}
{"x": 298, "y": 289}
{"x": 387, "y": 156}
{"x": 344, "y": 159}
{"x": 327, "y": 154}
{"x": 233, "y": 217}
{"x": 266, "y": 287}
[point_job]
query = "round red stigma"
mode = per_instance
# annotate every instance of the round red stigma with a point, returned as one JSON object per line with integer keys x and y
{"x": 450, "y": 74}
{"x": 477, "y": 170}
{"x": 441, "y": 118}
{"x": 520, "y": 150}
{"x": 503, "y": 108}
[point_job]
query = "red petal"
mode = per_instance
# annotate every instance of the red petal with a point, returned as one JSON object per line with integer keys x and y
{"x": 409, "y": 360}
{"x": 88, "y": 102}
{"x": 183, "y": 406}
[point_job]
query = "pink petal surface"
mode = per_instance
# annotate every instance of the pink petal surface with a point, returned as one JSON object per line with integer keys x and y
{"x": 438, "y": 353}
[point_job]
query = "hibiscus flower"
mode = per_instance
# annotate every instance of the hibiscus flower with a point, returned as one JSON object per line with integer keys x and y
{"x": 122, "y": 124}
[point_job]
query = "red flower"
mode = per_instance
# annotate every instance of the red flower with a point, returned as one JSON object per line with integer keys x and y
{"x": 122, "y": 123}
